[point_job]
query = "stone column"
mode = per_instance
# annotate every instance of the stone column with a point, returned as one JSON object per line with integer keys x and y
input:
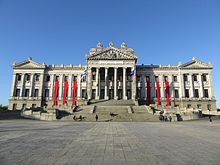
{"x": 115, "y": 84}
{"x": 79, "y": 86}
{"x": 22, "y": 84}
{"x": 97, "y": 84}
{"x": 170, "y": 80}
{"x": 124, "y": 84}
{"x": 134, "y": 85}
{"x": 70, "y": 77}
{"x": 181, "y": 85}
{"x": 13, "y": 85}
{"x": 143, "y": 87}
{"x": 106, "y": 83}
{"x": 41, "y": 85}
{"x": 152, "y": 84}
{"x": 211, "y": 88}
{"x": 201, "y": 93}
{"x": 191, "y": 86}
{"x": 60, "y": 86}
{"x": 89, "y": 83}
{"x": 51, "y": 86}
{"x": 31, "y": 85}
{"x": 161, "y": 80}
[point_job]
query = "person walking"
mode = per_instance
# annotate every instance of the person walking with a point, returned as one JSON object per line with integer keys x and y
{"x": 96, "y": 117}
{"x": 170, "y": 118}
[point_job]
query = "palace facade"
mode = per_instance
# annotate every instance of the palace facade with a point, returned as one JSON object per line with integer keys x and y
{"x": 112, "y": 73}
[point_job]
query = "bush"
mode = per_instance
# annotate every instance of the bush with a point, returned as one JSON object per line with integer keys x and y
{"x": 3, "y": 107}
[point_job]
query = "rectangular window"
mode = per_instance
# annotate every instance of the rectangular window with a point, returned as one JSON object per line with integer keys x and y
{"x": 36, "y": 92}
{"x": 19, "y": 77}
{"x": 174, "y": 78}
{"x": 204, "y": 77}
{"x": 37, "y": 77}
{"x": 27, "y": 77}
{"x": 187, "y": 93}
{"x": 185, "y": 77}
{"x": 48, "y": 78}
{"x": 26, "y": 93}
{"x": 46, "y": 93}
{"x": 195, "y": 77}
{"x": 196, "y": 93}
{"x": 17, "y": 92}
{"x": 206, "y": 93}
{"x": 176, "y": 93}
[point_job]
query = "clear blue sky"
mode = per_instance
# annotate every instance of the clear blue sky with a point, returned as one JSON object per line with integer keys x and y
{"x": 63, "y": 31}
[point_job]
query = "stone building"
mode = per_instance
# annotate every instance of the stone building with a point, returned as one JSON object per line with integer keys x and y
{"x": 112, "y": 73}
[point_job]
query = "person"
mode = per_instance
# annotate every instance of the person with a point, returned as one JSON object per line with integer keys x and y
{"x": 96, "y": 117}
{"x": 170, "y": 118}
{"x": 80, "y": 117}
{"x": 210, "y": 119}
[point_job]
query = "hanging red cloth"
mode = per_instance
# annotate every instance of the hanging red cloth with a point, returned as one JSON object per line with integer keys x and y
{"x": 148, "y": 93}
{"x": 65, "y": 89}
{"x": 167, "y": 92}
{"x": 74, "y": 93}
{"x": 55, "y": 93}
{"x": 158, "y": 92}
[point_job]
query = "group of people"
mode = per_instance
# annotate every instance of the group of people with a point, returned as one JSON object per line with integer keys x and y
{"x": 165, "y": 118}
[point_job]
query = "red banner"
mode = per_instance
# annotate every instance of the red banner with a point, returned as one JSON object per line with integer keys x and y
{"x": 167, "y": 92}
{"x": 148, "y": 92}
{"x": 74, "y": 93}
{"x": 158, "y": 92}
{"x": 65, "y": 89}
{"x": 55, "y": 93}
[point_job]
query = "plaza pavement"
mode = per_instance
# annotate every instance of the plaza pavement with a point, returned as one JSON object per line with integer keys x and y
{"x": 30, "y": 142}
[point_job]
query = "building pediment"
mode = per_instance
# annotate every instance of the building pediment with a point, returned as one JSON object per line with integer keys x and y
{"x": 28, "y": 64}
{"x": 194, "y": 64}
{"x": 111, "y": 54}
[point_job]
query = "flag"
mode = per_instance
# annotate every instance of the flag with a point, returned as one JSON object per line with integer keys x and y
{"x": 55, "y": 93}
{"x": 74, "y": 93}
{"x": 148, "y": 92}
{"x": 167, "y": 92}
{"x": 84, "y": 75}
{"x": 132, "y": 75}
{"x": 158, "y": 92}
{"x": 65, "y": 89}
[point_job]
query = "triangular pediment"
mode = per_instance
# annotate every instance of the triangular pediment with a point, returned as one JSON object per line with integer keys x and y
{"x": 112, "y": 54}
{"x": 195, "y": 63}
{"x": 28, "y": 64}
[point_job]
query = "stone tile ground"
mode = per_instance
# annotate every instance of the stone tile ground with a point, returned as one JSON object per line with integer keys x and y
{"x": 36, "y": 142}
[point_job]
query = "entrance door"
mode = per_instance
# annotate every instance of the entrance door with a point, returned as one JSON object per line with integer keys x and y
{"x": 129, "y": 94}
{"x": 111, "y": 94}
{"x": 120, "y": 94}
{"x": 102, "y": 93}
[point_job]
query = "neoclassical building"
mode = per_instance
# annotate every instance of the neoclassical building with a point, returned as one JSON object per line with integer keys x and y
{"x": 112, "y": 73}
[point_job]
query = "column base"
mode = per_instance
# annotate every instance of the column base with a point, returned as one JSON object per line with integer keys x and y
{"x": 125, "y": 97}
{"x": 116, "y": 98}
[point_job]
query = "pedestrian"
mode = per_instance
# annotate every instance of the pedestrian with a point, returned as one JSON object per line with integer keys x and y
{"x": 170, "y": 118}
{"x": 210, "y": 119}
{"x": 96, "y": 117}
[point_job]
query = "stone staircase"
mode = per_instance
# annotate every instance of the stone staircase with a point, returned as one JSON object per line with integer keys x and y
{"x": 112, "y": 102}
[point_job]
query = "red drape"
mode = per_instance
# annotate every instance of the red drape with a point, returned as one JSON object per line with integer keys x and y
{"x": 74, "y": 93}
{"x": 158, "y": 92}
{"x": 65, "y": 89}
{"x": 55, "y": 93}
{"x": 167, "y": 93}
{"x": 148, "y": 92}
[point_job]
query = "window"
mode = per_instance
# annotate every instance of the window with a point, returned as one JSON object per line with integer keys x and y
{"x": 174, "y": 78}
{"x": 83, "y": 93}
{"x": 37, "y": 77}
{"x": 176, "y": 93}
{"x": 36, "y": 91}
{"x": 204, "y": 77}
{"x": 26, "y": 93}
{"x": 19, "y": 77}
{"x": 27, "y": 77}
{"x": 185, "y": 77}
{"x": 17, "y": 93}
{"x": 195, "y": 77}
{"x": 209, "y": 107}
{"x": 199, "y": 106}
{"x": 48, "y": 78}
{"x": 196, "y": 93}
{"x": 46, "y": 93}
{"x": 206, "y": 93}
{"x": 187, "y": 93}
{"x": 189, "y": 105}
